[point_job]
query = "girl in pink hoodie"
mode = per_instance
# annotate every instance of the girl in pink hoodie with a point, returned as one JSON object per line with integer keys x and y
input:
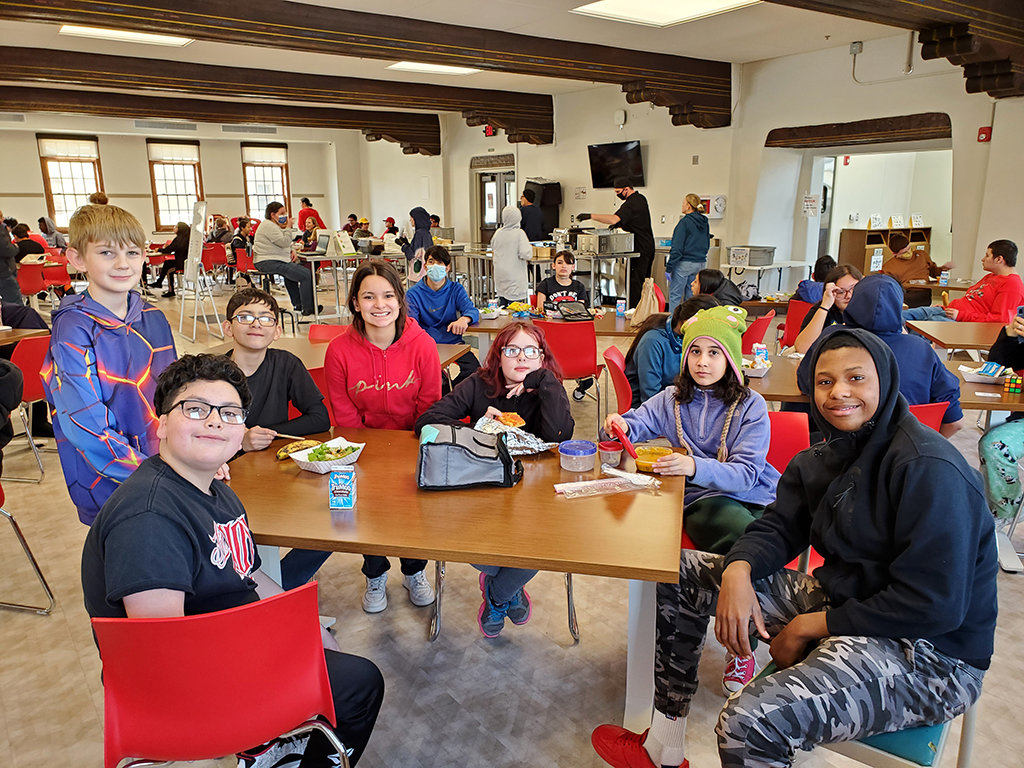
{"x": 383, "y": 373}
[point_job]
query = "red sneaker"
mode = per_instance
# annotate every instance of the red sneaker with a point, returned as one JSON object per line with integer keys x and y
{"x": 738, "y": 672}
{"x": 623, "y": 749}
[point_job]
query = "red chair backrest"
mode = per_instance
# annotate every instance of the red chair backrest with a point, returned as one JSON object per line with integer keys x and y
{"x": 755, "y": 332}
{"x": 790, "y": 435}
{"x": 214, "y": 254}
{"x": 574, "y": 345}
{"x": 320, "y": 379}
{"x": 616, "y": 363}
{"x": 325, "y": 332}
{"x": 28, "y": 355}
{"x": 55, "y": 254}
{"x": 796, "y": 311}
{"x": 930, "y": 414}
{"x": 56, "y": 275}
{"x": 170, "y": 703}
{"x": 660, "y": 297}
{"x": 243, "y": 261}
{"x": 30, "y": 279}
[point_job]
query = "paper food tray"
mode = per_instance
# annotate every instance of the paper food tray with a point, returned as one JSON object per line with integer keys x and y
{"x": 323, "y": 467}
{"x": 756, "y": 373}
{"x": 975, "y": 378}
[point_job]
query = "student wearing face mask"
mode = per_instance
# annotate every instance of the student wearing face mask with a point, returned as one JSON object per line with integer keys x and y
{"x": 443, "y": 309}
{"x": 272, "y": 255}
{"x": 634, "y": 216}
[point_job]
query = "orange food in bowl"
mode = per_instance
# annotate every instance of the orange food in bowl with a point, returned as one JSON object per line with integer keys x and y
{"x": 646, "y": 455}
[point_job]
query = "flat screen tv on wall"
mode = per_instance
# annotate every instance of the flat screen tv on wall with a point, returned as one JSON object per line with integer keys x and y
{"x": 609, "y": 161}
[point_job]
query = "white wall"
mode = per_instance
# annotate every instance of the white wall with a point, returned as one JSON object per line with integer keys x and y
{"x": 394, "y": 183}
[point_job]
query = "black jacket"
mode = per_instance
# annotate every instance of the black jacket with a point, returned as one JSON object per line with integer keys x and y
{"x": 12, "y": 383}
{"x": 533, "y": 222}
{"x": 545, "y": 410}
{"x": 900, "y": 520}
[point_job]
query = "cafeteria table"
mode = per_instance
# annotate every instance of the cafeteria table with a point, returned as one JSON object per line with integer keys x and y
{"x": 311, "y": 353}
{"x": 632, "y": 535}
{"x": 14, "y": 335}
{"x": 951, "y": 335}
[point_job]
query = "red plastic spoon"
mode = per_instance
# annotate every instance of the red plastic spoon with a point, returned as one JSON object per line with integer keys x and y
{"x": 624, "y": 440}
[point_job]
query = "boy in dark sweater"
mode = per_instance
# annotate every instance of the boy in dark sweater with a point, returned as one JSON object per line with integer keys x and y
{"x": 894, "y": 630}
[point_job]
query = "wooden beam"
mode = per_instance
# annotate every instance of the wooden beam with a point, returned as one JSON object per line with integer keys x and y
{"x": 706, "y": 85}
{"x": 884, "y": 130}
{"x": 528, "y": 114}
{"x": 421, "y": 132}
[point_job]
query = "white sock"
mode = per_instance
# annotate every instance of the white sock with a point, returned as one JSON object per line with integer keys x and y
{"x": 666, "y": 739}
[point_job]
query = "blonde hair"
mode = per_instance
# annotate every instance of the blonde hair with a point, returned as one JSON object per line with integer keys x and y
{"x": 96, "y": 223}
{"x": 695, "y": 203}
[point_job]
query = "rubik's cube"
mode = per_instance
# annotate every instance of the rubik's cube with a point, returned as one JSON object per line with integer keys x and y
{"x": 1013, "y": 384}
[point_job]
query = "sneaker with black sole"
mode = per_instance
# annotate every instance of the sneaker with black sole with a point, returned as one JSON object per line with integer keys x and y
{"x": 738, "y": 672}
{"x": 375, "y": 599}
{"x": 491, "y": 617}
{"x": 420, "y": 591}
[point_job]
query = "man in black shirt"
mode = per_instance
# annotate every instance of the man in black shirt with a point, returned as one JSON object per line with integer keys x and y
{"x": 173, "y": 541}
{"x": 633, "y": 216}
{"x": 533, "y": 219}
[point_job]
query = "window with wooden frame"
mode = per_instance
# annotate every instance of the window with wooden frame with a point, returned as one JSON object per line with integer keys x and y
{"x": 71, "y": 172}
{"x": 265, "y": 170}
{"x": 177, "y": 180}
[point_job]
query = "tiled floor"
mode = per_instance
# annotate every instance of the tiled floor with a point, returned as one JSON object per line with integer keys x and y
{"x": 530, "y": 697}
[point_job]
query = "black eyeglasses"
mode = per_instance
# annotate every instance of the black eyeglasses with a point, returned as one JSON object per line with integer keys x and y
{"x": 530, "y": 353}
{"x": 197, "y": 410}
{"x": 265, "y": 320}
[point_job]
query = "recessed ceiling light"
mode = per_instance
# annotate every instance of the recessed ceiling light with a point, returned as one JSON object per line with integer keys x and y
{"x": 432, "y": 69}
{"x": 125, "y": 37}
{"x": 659, "y": 13}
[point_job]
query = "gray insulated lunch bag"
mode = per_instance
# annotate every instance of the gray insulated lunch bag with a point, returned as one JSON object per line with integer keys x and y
{"x": 457, "y": 456}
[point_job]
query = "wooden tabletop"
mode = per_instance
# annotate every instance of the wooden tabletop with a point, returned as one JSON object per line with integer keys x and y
{"x": 779, "y": 384}
{"x": 609, "y": 325}
{"x": 957, "y": 335}
{"x": 311, "y": 353}
{"x": 631, "y": 535}
{"x": 14, "y": 335}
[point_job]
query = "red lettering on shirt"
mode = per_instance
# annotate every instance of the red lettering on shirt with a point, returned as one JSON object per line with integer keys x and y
{"x": 233, "y": 541}
{"x": 362, "y": 385}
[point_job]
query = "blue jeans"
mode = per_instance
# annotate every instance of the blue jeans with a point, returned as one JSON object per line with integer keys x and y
{"x": 297, "y": 279}
{"x": 926, "y": 313}
{"x": 505, "y": 581}
{"x": 679, "y": 287}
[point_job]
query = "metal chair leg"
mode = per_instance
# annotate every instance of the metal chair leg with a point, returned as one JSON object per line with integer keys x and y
{"x": 574, "y": 628}
{"x": 35, "y": 566}
{"x": 963, "y": 758}
{"x": 435, "y": 622}
{"x": 23, "y": 410}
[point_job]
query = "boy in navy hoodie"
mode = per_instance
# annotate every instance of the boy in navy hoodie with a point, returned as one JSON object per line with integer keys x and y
{"x": 107, "y": 349}
{"x": 443, "y": 309}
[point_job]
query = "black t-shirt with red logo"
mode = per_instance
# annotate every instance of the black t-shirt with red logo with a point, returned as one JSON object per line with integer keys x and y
{"x": 158, "y": 531}
{"x": 554, "y": 291}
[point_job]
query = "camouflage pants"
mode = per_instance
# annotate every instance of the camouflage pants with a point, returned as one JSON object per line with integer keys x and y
{"x": 846, "y": 688}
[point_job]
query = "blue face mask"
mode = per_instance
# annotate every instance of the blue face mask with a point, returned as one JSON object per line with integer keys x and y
{"x": 436, "y": 272}
{"x": 282, "y": 219}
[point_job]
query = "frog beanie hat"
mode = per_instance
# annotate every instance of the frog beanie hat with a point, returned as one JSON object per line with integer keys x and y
{"x": 722, "y": 325}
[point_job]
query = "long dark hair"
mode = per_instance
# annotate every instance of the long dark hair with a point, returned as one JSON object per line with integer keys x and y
{"x": 710, "y": 280}
{"x": 491, "y": 373}
{"x": 728, "y": 389}
{"x": 389, "y": 273}
{"x": 683, "y": 312}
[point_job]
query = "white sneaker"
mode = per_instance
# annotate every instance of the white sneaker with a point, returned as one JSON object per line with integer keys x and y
{"x": 375, "y": 599}
{"x": 280, "y": 754}
{"x": 420, "y": 591}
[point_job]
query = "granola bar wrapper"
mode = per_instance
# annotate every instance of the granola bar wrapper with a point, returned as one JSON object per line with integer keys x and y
{"x": 520, "y": 442}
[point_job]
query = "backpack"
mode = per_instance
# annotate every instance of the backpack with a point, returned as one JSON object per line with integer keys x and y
{"x": 457, "y": 456}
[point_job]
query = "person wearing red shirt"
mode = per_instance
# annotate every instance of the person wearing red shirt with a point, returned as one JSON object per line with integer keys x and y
{"x": 308, "y": 211}
{"x": 383, "y": 373}
{"x": 993, "y": 299}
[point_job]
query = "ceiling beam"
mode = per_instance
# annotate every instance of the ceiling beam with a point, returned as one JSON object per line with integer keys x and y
{"x": 703, "y": 87}
{"x": 884, "y": 130}
{"x": 522, "y": 114}
{"x": 985, "y": 37}
{"x": 415, "y": 132}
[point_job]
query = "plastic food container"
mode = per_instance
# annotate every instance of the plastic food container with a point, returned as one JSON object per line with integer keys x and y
{"x": 646, "y": 455}
{"x": 577, "y": 455}
{"x": 611, "y": 452}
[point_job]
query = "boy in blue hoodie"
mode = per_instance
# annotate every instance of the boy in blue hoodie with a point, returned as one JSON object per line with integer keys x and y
{"x": 443, "y": 309}
{"x": 877, "y": 306}
{"x": 107, "y": 349}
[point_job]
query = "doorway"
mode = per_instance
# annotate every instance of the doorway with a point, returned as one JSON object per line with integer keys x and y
{"x": 496, "y": 189}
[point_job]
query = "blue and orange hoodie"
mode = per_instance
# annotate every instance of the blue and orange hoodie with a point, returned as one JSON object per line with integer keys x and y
{"x": 100, "y": 377}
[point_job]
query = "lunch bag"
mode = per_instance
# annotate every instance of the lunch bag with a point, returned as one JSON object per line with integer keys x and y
{"x": 457, "y": 456}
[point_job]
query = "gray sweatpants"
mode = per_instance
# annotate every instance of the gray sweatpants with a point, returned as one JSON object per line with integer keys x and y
{"x": 846, "y": 688}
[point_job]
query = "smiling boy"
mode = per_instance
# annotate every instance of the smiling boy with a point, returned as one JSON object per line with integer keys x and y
{"x": 107, "y": 349}
{"x": 895, "y": 630}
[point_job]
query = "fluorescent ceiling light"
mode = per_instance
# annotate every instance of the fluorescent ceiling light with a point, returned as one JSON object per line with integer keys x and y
{"x": 659, "y": 13}
{"x": 125, "y": 37}
{"x": 432, "y": 69}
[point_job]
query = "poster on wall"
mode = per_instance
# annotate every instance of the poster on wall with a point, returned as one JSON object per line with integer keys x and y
{"x": 811, "y": 206}
{"x": 876, "y": 260}
{"x": 195, "y": 241}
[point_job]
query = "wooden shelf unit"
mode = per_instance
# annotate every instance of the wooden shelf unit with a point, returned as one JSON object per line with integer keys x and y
{"x": 858, "y": 246}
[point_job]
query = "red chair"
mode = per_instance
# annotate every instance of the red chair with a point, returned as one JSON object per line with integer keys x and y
{"x": 574, "y": 345}
{"x": 55, "y": 276}
{"x": 158, "y": 704}
{"x": 56, "y": 254}
{"x": 325, "y": 332}
{"x": 786, "y": 333}
{"x": 660, "y": 297}
{"x": 30, "y": 279}
{"x": 32, "y": 561}
{"x": 320, "y": 379}
{"x": 616, "y": 364}
{"x": 756, "y": 331}
{"x": 930, "y": 414}
{"x": 214, "y": 255}
{"x": 28, "y": 355}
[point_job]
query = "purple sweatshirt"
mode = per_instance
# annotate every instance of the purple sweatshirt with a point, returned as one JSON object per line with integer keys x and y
{"x": 746, "y": 475}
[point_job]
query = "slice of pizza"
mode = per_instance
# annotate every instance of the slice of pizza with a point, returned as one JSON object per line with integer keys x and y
{"x": 511, "y": 419}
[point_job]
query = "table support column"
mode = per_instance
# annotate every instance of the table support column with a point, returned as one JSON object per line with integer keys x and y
{"x": 643, "y": 614}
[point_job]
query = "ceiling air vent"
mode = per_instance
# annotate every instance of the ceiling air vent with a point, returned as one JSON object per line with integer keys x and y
{"x": 264, "y": 129}
{"x": 164, "y": 125}
{"x": 11, "y": 117}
